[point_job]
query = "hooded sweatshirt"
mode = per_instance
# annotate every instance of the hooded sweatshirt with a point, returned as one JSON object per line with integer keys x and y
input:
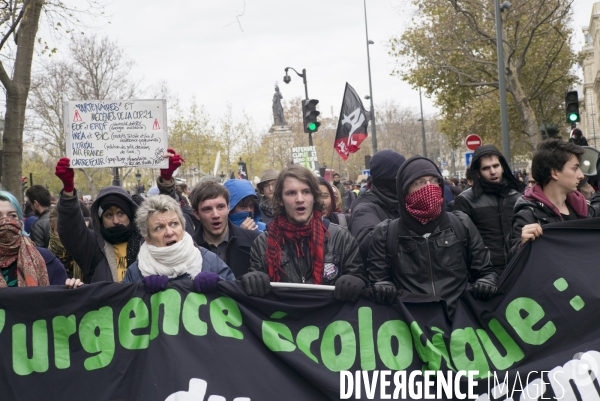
{"x": 96, "y": 257}
{"x": 238, "y": 190}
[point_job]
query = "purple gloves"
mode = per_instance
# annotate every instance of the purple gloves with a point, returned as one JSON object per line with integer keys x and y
{"x": 206, "y": 282}
{"x": 155, "y": 283}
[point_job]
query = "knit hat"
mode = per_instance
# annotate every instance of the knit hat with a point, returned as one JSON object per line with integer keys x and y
{"x": 385, "y": 165}
{"x": 115, "y": 200}
{"x": 414, "y": 168}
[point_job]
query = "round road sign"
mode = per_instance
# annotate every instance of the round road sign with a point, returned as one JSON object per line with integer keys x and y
{"x": 473, "y": 142}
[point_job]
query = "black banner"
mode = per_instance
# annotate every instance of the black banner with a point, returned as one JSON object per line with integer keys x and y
{"x": 110, "y": 341}
{"x": 352, "y": 125}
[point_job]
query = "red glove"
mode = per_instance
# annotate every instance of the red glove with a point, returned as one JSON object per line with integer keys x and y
{"x": 66, "y": 174}
{"x": 174, "y": 162}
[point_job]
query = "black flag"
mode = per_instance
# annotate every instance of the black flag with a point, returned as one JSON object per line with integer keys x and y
{"x": 352, "y": 125}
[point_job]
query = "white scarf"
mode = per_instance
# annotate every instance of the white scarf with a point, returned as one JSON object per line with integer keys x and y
{"x": 173, "y": 261}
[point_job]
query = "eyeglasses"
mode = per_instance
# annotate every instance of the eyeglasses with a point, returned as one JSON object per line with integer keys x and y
{"x": 269, "y": 185}
{"x": 421, "y": 182}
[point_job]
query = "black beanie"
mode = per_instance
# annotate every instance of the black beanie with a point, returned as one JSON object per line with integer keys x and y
{"x": 385, "y": 165}
{"x": 118, "y": 201}
{"x": 414, "y": 168}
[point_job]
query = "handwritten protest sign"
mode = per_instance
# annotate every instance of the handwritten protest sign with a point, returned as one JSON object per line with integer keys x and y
{"x": 306, "y": 156}
{"x": 116, "y": 133}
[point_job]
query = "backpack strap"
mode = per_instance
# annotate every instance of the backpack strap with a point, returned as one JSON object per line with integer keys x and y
{"x": 460, "y": 232}
{"x": 392, "y": 241}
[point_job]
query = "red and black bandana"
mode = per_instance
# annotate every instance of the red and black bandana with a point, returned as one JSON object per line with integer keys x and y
{"x": 280, "y": 230}
{"x": 425, "y": 204}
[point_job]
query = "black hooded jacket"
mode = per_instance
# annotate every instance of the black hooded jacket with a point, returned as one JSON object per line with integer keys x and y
{"x": 95, "y": 256}
{"x": 431, "y": 264}
{"x": 491, "y": 211}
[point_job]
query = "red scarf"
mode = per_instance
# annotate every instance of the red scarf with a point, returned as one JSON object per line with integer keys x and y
{"x": 280, "y": 230}
{"x": 425, "y": 204}
{"x": 31, "y": 268}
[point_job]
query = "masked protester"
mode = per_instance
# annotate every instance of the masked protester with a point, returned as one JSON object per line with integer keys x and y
{"x": 300, "y": 247}
{"x": 105, "y": 252}
{"x": 243, "y": 209}
{"x": 169, "y": 252}
{"x": 489, "y": 203}
{"x": 431, "y": 251}
{"x": 22, "y": 264}
{"x": 378, "y": 204}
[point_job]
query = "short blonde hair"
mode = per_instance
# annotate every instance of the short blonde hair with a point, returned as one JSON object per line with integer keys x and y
{"x": 156, "y": 204}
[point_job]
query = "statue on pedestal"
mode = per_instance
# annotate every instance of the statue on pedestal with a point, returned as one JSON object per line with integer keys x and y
{"x": 278, "y": 108}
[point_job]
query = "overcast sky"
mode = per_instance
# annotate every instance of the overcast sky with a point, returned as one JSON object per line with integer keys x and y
{"x": 202, "y": 51}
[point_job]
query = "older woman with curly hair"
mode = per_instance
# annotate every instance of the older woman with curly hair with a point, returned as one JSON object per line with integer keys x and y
{"x": 169, "y": 252}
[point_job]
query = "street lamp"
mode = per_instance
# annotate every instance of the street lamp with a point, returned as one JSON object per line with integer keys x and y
{"x": 287, "y": 79}
{"x": 501, "y": 79}
{"x": 370, "y": 42}
{"x": 138, "y": 177}
{"x": 241, "y": 169}
{"x": 422, "y": 125}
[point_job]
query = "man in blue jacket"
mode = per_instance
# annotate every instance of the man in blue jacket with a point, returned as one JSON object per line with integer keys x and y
{"x": 244, "y": 210}
{"x": 232, "y": 244}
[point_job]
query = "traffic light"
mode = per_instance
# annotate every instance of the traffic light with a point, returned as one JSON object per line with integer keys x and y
{"x": 24, "y": 184}
{"x": 572, "y": 107}
{"x": 309, "y": 115}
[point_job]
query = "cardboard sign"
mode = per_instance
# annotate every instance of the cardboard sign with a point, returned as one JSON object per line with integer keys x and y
{"x": 116, "y": 133}
{"x": 306, "y": 156}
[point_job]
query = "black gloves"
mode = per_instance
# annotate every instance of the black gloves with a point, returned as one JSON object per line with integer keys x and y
{"x": 485, "y": 287}
{"x": 256, "y": 283}
{"x": 347, "y": 288}
{"x": 385, "y": 292}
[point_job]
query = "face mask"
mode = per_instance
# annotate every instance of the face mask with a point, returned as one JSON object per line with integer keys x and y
{"x": 10, "y": 232}
{"x": 425, "y": 204}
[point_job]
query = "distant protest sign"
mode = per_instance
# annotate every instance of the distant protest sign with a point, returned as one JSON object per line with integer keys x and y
{"x": 116, "y": 133}
{"x": 306, "y": 156}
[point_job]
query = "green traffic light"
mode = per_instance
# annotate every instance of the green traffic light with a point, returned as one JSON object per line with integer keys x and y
{"x": 573, "y": 117}
{"x": 312, "y": 127}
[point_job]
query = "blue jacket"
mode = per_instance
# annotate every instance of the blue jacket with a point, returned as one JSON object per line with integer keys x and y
{"x": 57, "y": 275}
{"x": 238, "y": 190}
{"x": 210, "y": 263}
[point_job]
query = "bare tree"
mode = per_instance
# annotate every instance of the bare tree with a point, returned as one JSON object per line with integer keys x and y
{"x": 99, "y": 70}
{"x": 19, "y": 20}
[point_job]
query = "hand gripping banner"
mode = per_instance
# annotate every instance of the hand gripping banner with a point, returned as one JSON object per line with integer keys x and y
{"x": 538, "y": 337}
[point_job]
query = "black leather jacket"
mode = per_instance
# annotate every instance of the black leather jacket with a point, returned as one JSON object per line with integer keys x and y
{"x": 434, "y": 265}
{"x": 341, "y": 250}
{"x": 492, "y": 215}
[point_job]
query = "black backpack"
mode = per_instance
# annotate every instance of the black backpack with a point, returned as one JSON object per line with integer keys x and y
{"x": 457, "y": 227}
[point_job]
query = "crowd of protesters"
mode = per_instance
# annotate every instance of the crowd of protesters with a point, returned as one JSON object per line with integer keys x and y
{"x": 406, "y": 228}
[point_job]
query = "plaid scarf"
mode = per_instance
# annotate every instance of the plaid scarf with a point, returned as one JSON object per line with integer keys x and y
{"x": 280, "y": 230}
{"x": 14, "y": 246}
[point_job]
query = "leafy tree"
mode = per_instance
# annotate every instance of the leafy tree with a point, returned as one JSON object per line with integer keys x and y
{"x": 450, "y": 51}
